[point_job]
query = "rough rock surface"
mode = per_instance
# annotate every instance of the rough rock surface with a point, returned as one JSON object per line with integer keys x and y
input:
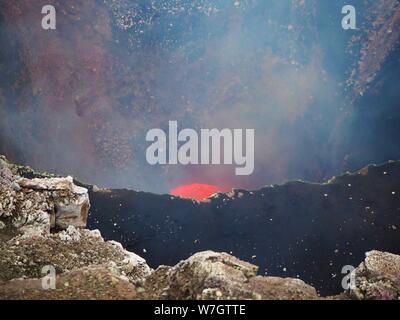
{"x": 85, "y": 284}
{"x": 377, "y": 278}
{"x": 65, "y": 251}
{"x": 71, "y": 203}
{"x": 34, "y": 206}
{"x": 41, "y": 226}
{"x": 210, "y": 275}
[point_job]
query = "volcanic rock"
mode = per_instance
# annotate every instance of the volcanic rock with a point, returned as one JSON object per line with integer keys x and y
{"x": 71, "y": 203}
{"x": 92, "y": 283}
{"x": 377, "y": 278}
{"x": 34, "y": 206}
{"x": 66, "y": 251}
{"x": 210, "y": 275}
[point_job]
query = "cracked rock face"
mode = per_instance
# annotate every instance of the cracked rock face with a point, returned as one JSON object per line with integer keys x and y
{"x": 34, "y": 206}
{"x": 69, "y": 203}
{"x": 378, "y": 277}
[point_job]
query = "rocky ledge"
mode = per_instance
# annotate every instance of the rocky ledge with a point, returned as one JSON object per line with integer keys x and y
{"x": 42, "y": 228}
{"x": 34, "y": 206}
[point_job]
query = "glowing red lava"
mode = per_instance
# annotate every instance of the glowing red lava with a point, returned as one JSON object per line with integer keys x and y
{"x": 197, "y": 191}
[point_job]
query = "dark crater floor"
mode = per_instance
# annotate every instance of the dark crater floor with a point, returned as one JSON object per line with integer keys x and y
{"x": 297, "y": 229}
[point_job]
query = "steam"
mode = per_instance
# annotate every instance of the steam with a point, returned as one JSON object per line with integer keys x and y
{"x": 80, "y": 100}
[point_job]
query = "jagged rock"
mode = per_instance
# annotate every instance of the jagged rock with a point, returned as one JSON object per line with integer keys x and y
{"x": 377, "y": 278}
{"x": 71, "y": 203}
{"x": 34, "y": 206}
{"x": 211, "y": 275}
{"x": 71, "y": 234}
{"x": 29, "y": 208}
{"x": 133, "y": 264}
{"x": 29, "y": 212}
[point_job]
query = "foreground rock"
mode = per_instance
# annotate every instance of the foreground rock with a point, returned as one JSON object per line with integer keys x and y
{"x": 210, "y": 275}
{"x": 41, "y": 227}
{"x": 66, "y": 251}
{"x": 86, "y": 284}
{"x": 204, "y": 276}
{"x": 377, "y": 278}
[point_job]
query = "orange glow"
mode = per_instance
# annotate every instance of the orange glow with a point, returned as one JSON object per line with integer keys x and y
{"x": 197, "y": 191}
